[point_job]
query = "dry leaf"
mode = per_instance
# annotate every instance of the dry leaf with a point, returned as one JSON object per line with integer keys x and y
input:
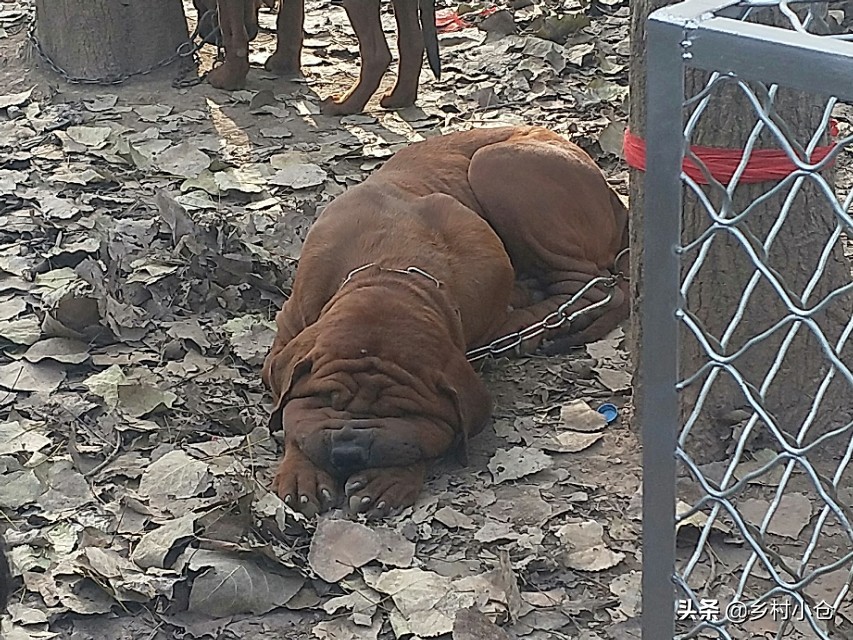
{"x": 571, "y": 442}
{"x": 453, "y": 519}
{"x": 156, "y": 545}
{"x": 138, "y": 400}
{"x": 25, "y": 331}
{"x": 339, "y": 547}
{"x": 15, "y": 99}
{"x": 89, "y": 136}
{"x": 518, "y": 462}
{"x": 344, "y": 629}
{"x": 175, "y": 475}
{"x": 492, "y": 531}
{"x": 585, "y": 549}
{"x": 394, "y": 549}
{"x": 104, "y": 102}
{"x": 425, "y": 601}
{"x": 698, "y": 519}
{"x": 790, "y": 518}
{"x": 59, "y": 349}
{"x": 19, "y": 488}
{"x": 628, "y": 589}
{"x": 614, "y": 379}
{"x": 17, "y": 436}
{"x": 299, "y": 176}
{"x": 470, "y": 624}
{"x": 26, "y": 376}
{"x": 230, "y": 584}
{"x": 184, "y": 160}
{"x": 276, "y": 132}
{"x": 579, "y": 416}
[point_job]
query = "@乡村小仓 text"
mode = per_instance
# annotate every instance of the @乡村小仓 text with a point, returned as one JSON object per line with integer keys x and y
{"x": 712, "y": 610}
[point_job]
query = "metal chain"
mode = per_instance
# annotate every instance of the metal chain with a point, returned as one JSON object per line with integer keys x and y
{"x": 553, "y": 320}
{"x": 184, "y": 50}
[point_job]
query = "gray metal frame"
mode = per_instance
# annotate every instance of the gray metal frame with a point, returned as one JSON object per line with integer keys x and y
{"x": 701, "y": 34}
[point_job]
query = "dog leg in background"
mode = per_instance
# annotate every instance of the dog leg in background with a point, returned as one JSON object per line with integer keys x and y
{"x": 375, "y": 58}
{"x": 286, "y": 60}
{"x": 410, "y": 44}
{"x": 206, "y": 21}
{"x": 231, "y": 74}
{"x": 250, "y": 18}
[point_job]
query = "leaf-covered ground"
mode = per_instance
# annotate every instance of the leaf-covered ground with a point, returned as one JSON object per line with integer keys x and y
{"x": 147, "y": 237}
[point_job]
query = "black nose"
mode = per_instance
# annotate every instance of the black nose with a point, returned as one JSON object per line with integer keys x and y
{"x": 350, "y": 448}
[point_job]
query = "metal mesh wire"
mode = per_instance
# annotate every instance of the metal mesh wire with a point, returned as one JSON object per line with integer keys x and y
{"x": 743, "y": 568}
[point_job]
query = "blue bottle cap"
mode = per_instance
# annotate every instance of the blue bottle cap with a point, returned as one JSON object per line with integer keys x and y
{"x": 609, "y": 411}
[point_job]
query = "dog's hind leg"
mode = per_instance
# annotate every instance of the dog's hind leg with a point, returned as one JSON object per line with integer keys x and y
{"x": 562, "y": 225}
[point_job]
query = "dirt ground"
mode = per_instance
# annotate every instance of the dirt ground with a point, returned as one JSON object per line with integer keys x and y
{"x": 148, "y": 234}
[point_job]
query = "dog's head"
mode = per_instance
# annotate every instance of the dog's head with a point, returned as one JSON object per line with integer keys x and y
{"x": 379, "y": 381}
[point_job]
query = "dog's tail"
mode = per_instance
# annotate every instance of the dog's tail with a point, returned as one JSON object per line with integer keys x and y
{"x": 426, "y": 9}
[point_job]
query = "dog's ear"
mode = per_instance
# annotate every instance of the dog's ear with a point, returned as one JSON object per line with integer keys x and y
{"x": 282, "y": 368}
{"x": 470, "y": 398}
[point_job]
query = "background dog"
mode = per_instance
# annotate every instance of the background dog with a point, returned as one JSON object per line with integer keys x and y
{"x": 238, "y": 21}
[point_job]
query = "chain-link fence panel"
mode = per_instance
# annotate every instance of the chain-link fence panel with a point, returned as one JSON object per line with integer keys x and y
{"x": 748, "y": 237}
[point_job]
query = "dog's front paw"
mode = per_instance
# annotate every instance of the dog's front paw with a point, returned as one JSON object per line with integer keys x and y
{"x": 383, "y": 492}
{"x": 303, "y": 486}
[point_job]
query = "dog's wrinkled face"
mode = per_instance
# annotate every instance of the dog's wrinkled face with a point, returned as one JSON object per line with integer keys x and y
{"x": 352, "y": 394}
{"x": 343, "y": 443}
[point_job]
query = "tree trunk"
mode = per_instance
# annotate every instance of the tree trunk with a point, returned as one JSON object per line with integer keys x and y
{"x": 109, "y": 38}
{"x": 640, "y": 10}
{"x": 717, "y": 289}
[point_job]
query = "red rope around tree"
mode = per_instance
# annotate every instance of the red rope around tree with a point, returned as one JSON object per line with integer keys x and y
{"x": 764, "y": 165}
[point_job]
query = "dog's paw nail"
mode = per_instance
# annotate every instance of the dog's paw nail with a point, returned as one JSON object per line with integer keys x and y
{"x": 327, "y": 495}
{"x": 355, "y": 505}
{"x": 303, "y": 499}
{"x": 309, "y": 510}
{"x": 365, "y": 500}
{"x": 288, "y": 499}
{"x": 380, "y": 506}
{"x": 354, "y": 485}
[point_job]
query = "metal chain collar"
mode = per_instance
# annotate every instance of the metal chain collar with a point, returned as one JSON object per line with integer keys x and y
{"x": 184, "y": 50}
{"x": 553, "y": 320}
{"x": 407, "y": 271}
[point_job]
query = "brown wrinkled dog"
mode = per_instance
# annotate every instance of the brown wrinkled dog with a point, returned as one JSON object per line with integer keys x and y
{"x": 454, "y": 242}
{"x": 238, "y": 20}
